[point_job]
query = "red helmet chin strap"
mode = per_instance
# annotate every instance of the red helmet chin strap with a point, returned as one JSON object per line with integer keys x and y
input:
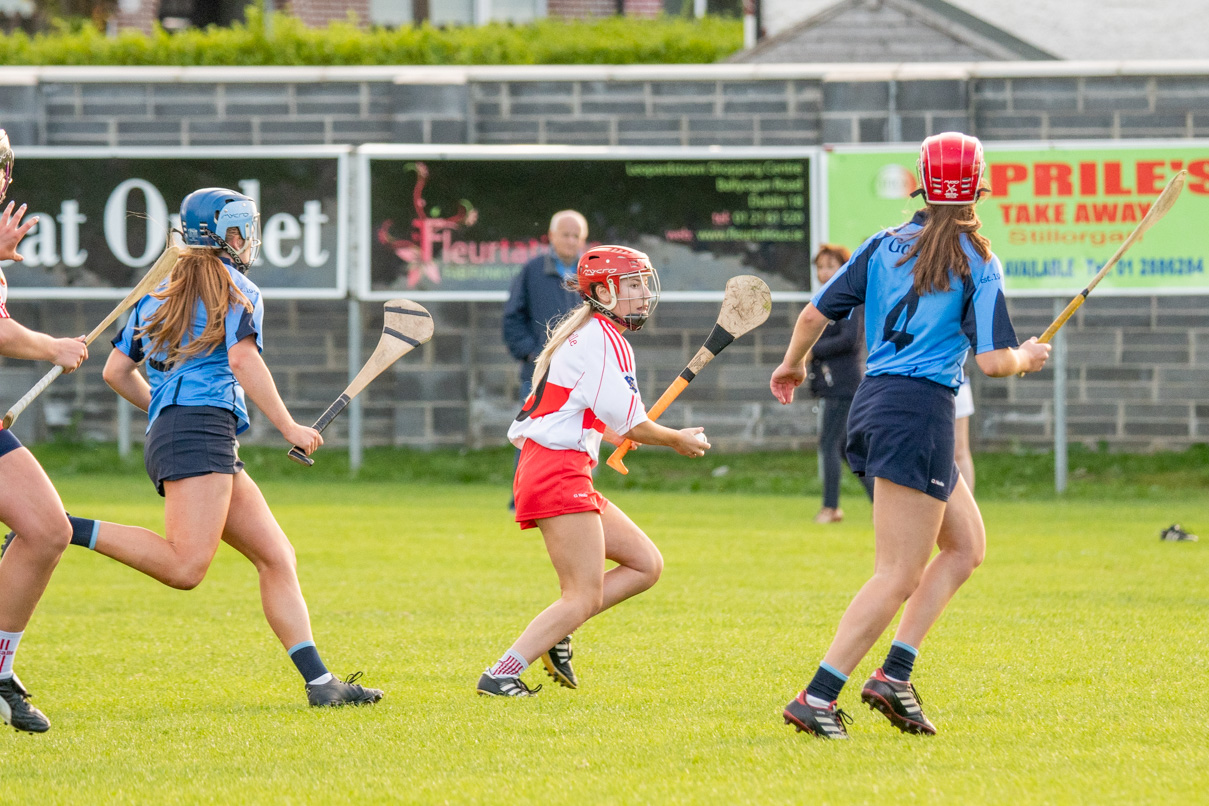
{"x": 631, "y": 321}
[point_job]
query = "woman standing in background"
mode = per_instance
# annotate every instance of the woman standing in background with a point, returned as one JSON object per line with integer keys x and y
{"x": 835, "y": 372}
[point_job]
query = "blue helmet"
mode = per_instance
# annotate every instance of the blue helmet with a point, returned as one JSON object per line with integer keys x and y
{"x": 207, "y": 214}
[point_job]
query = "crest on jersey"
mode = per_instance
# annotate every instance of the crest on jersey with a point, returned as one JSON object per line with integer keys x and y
{"x": 629, "y": 379}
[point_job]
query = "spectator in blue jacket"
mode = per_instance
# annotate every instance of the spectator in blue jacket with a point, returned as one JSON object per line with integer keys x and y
{"x": 543, "y": 292}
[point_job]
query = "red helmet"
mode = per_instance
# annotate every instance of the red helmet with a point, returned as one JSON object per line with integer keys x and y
{"x": 951, "y": 168}
{"x": 608, "y": 266}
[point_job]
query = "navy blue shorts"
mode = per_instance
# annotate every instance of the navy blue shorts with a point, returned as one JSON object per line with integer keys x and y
{"x": 8, "y": 443}
{"x": 188, "y": 441}
{"x": 901, "y": 429}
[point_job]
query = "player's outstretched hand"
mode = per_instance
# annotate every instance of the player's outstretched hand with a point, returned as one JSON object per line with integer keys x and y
{"x": 785, "y": 379}
{"x": 304, "y": 437}
{"x": 12, "y": 231}
{"x": 70, "y": 353}
{"x": 692, "y": 442}
{"x": 1034, "y": 354}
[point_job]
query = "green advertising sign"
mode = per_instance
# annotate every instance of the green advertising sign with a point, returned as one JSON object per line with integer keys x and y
{"x": 1055, "y": 213}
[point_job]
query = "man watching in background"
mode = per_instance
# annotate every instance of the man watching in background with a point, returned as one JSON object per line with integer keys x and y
{"x": 542, "y": 292}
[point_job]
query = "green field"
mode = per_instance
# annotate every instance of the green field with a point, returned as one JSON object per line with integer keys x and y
{"x": 1071, "y": 669}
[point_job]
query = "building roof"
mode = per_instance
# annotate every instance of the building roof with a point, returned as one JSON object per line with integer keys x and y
{"x": 1086, "y": 30}
{"x": 895, "y": 31}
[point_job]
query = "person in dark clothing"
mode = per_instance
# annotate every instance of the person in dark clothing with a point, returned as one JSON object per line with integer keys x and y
{"x": 543, "y": 292}
{"x": 835, "y": 372}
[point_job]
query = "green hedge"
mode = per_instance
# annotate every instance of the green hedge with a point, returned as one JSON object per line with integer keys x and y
{"x": 286, "y": 41}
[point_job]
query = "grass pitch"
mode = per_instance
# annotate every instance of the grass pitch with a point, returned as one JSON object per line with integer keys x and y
{"x": 1070, "y": 669}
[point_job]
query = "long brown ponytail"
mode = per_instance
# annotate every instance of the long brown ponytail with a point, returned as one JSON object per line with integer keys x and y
{"x": 937, "y": 246}
{"x": 198, "y": 274}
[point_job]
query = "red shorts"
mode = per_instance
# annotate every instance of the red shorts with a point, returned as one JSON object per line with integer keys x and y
{"x": 550, "y": 483}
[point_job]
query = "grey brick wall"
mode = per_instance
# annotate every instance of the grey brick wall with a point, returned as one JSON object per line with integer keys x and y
{"x": 1138, "y": 373}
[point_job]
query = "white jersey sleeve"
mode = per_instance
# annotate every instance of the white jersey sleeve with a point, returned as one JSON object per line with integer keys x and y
{"x": 590, "y": 385}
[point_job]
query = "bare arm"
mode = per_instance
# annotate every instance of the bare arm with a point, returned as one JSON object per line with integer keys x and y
{"x": 123, "y": 377}
{"x": 792, "y": 372}
{"x": 1028, "y": 357}
{"x": 612, "y": 437}
{"x": 683, "y": 441}
{"x": 18, "y": 341}
{"x": 254, "y": 376}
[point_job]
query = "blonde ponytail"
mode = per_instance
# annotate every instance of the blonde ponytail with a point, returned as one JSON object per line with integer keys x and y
{"x": 556, "y": 334}
{"x": 197, "y": 275}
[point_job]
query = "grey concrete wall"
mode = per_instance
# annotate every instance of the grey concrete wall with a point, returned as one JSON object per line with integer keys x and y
{"x": 1139, "y": 368}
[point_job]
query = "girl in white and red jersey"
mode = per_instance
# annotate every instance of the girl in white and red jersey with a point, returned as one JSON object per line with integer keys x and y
{"x": 28, "y": 500}
{"x": 584, "y": 390}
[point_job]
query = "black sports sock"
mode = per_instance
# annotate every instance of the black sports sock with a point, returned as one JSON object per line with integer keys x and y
{"x": 900, "y": 660}
{"x": 827, "y": 683}
{"x": 84, "y": 532}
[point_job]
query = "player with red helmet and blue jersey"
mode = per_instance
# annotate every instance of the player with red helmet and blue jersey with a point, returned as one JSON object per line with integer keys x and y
{"x": 932, "y": 290}
{"x": 584, "y": 391}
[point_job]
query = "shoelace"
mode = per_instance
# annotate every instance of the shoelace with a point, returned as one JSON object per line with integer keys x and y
{"x": 842, "y": 717}
{"x": 528, "y": 690}
{"x": 353, "y": 678}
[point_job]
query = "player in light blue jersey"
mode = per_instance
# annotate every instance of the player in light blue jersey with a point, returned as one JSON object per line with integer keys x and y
{"x": 932, "y": 289}
{"x": 199, "y": 337}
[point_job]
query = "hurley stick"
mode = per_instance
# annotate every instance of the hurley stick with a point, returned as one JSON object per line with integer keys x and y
{"x": 161, "y": 269}
{"x": 746, "y": 304}
{"x": 406, "y": 326}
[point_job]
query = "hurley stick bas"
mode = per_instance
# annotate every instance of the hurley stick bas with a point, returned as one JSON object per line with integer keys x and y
{"x": 152, "y": 279}
{"x": 1162, "y": 204}
{"x": 405, "y": 326}
{"x": 746, "y": 304}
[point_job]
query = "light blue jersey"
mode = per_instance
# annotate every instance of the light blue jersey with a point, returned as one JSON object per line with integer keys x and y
{"x": 919, "y": 337}
{"x": 201, "y": 380}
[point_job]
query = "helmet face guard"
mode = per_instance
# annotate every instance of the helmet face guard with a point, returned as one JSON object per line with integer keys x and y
{"x": 6, "y": 164}
{"x": 623, "y": 288}
{"x": 241, "y": 216}
{"x": 951, "y": 168}
{"x": 627, "y": 274}
{"x": 208, "y": 214}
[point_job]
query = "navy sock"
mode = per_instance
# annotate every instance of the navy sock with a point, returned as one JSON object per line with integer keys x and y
{"x": 84, "y": 532}
{"x": 827, "y": 683}
{"x": 307, "y": 659}
{"x": 900, "y": 661}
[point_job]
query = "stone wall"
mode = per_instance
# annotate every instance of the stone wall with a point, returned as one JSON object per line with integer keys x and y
{"x": 1139, "y": 367}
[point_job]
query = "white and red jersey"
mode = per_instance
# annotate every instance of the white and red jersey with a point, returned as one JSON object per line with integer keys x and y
{"x": 3, "y": 296}
{"x": 590, "y": 384}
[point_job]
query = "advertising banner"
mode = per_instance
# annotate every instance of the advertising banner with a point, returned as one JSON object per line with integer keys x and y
{"x": 1055, "y": 213}
{"x": 103, "y": 216}
{"x": 459, "y": 223}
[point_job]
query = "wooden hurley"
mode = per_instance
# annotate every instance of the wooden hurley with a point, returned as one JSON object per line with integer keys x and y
{"x": 1162, "y": 204}
{"x": 406, "y": 326}
{"x": 746, "y": 304}
{"x": 151, "y": 280}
